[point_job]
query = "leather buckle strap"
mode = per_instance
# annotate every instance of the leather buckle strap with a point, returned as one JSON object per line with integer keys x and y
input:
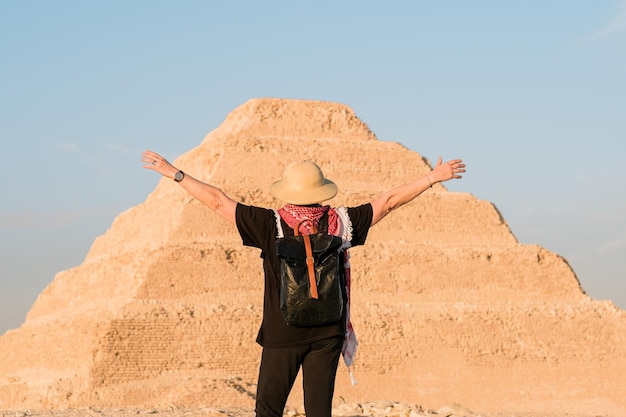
{"x": 310, "y": 266}
{"x": 309, "y": 256}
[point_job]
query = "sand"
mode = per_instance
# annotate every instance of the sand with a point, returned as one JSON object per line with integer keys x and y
{"x": 379, "y": 409}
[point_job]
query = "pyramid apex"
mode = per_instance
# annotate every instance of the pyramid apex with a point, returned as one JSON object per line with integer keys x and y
{"x": 294, "y": 118}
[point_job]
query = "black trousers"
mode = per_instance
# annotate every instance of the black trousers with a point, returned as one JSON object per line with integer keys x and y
{"x": 278, "y": 371}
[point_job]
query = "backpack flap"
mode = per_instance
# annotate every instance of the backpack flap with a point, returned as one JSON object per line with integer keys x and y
{"x": 300, "y": 282}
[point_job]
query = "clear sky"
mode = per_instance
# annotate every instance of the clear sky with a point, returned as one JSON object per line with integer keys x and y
{"x": 531, "y": 94}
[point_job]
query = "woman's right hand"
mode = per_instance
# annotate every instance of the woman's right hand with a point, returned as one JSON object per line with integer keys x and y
{"x": 156, "y": 162}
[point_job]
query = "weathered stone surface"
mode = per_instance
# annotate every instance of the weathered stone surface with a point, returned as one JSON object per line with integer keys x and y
{"x": 449, "y": 307}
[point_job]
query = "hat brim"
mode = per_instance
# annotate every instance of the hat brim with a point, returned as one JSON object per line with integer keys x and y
{"x": 326, "y": 191}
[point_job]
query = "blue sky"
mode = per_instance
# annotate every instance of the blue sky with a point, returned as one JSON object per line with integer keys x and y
{"x": 531, "y": 94}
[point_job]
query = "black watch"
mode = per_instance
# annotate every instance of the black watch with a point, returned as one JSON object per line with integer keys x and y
{"x": 178, "y": 177}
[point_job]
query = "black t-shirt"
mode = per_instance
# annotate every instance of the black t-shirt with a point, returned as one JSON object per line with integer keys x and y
{"x": 257, "y": 227}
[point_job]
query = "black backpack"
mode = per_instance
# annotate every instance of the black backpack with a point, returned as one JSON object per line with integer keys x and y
{"x": 312, "y": 287}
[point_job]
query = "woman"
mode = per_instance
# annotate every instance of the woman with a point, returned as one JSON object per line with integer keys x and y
{"x": 286, "y": 349}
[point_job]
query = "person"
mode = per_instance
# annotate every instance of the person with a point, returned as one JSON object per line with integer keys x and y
{"x": 287, "y": 349}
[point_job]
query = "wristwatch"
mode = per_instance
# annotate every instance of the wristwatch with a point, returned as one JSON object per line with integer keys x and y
{"x": 178, "y": 177}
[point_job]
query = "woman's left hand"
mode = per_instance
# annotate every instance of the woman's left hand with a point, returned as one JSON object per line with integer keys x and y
{"x": 447, "y": 171}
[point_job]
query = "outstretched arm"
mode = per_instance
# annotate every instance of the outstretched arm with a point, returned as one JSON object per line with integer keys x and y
{"x": 207, "y": 194}
{"x": 401, "y": 195}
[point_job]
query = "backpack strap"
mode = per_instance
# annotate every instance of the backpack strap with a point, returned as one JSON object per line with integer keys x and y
{"x": 296, "y": 231}
{"x": 322, "y": 226}
{"x": 310, "y": 266}
{"x": 310, "y": 262}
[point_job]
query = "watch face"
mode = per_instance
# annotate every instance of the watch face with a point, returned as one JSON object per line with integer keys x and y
{"x": 179, "y": 176}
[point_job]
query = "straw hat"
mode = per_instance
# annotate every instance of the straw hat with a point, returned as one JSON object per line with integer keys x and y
{"x": 303, "y": 183}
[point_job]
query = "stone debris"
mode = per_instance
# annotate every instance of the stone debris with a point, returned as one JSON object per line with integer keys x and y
{"x": 375, "y": 409}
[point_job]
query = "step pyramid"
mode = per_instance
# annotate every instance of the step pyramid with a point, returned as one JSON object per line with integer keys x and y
{"x": 448, "y": 306}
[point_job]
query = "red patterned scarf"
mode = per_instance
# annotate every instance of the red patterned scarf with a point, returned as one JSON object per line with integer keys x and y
{"x": 293, "y": 215}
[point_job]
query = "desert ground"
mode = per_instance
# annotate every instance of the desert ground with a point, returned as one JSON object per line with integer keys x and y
{"x": 379, "y": 409}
